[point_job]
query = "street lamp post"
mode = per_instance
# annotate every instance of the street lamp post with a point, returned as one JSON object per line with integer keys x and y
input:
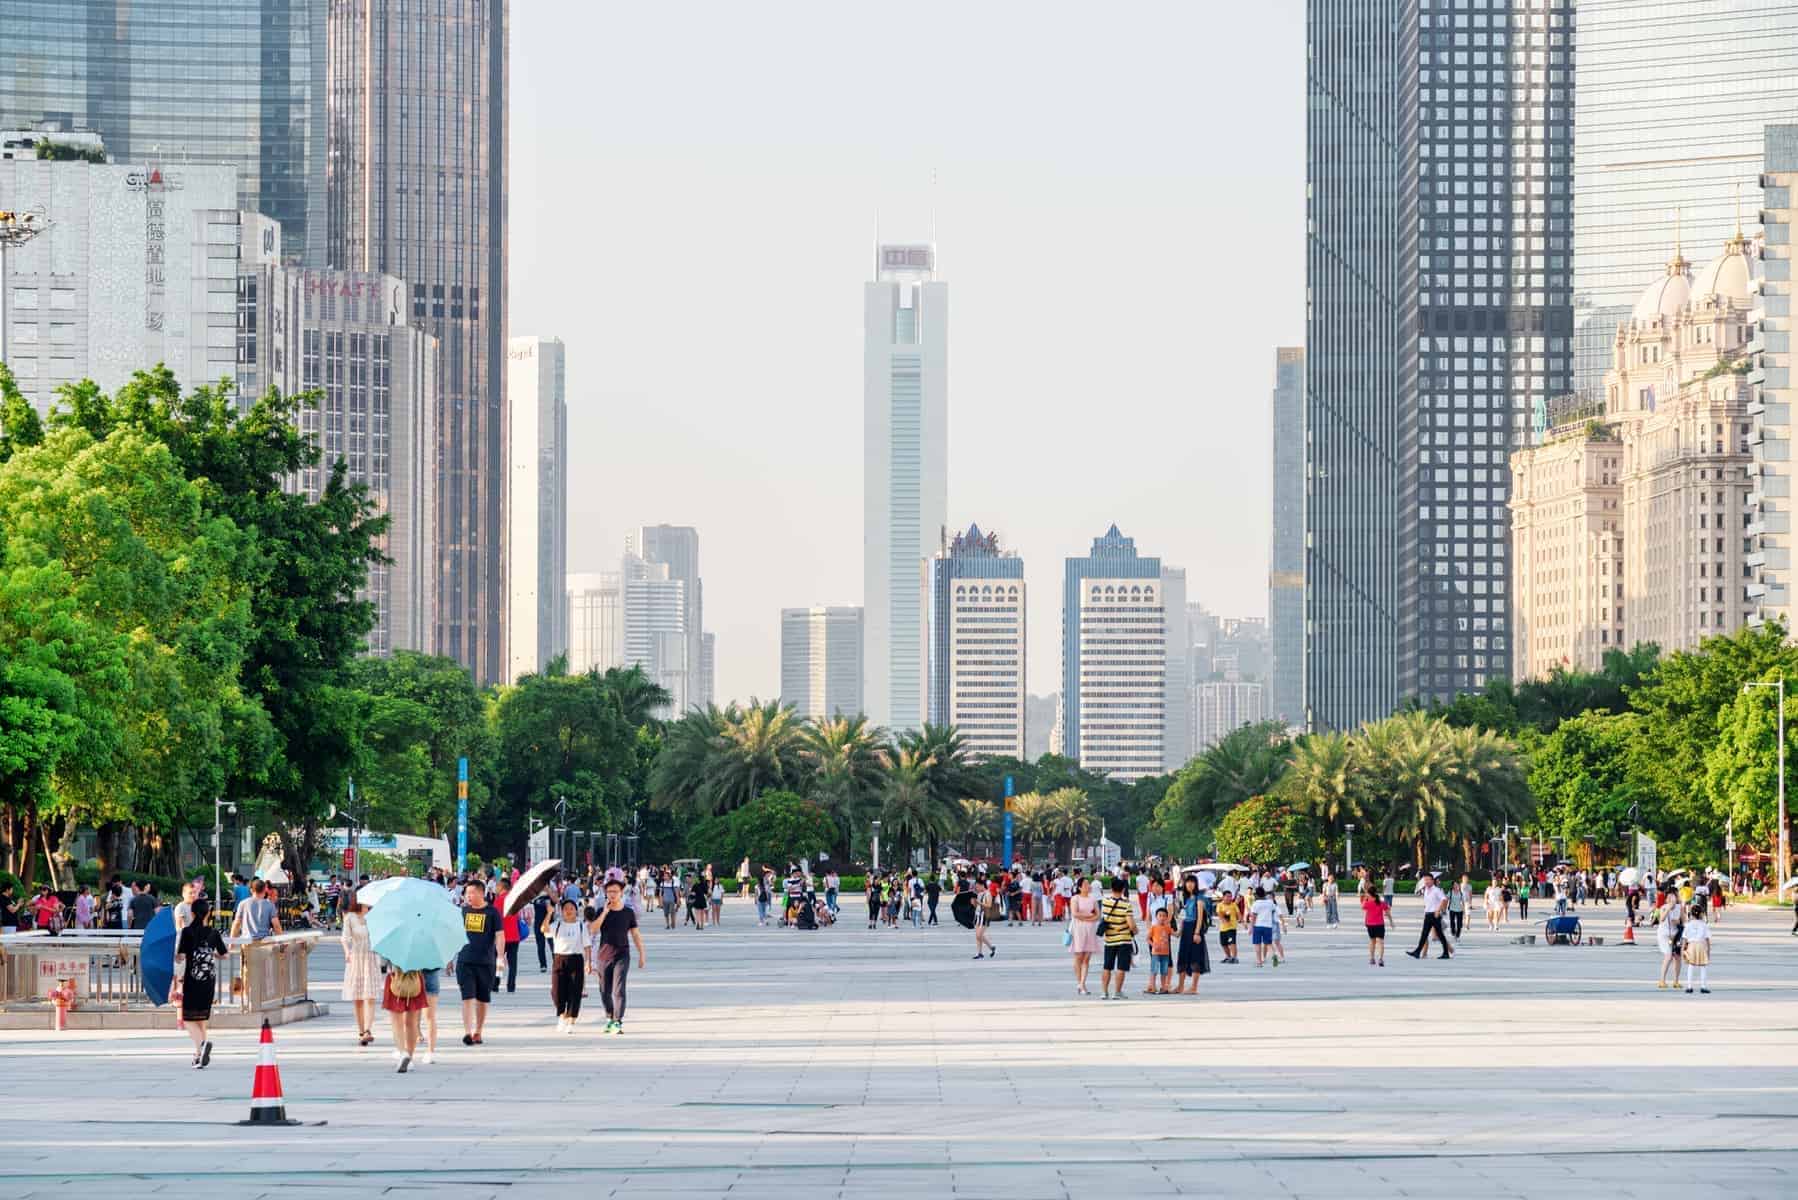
{"x": 1348, "y": 863}
{"x": 219, "y": 808}
{"x": 876, "y": 846}
{"x": 1780, "y": 847}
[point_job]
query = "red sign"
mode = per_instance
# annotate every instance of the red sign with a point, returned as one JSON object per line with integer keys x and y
{"x": 349, "y": 859}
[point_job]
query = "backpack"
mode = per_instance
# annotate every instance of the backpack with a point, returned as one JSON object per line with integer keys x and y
{"x": 405, "y": 985}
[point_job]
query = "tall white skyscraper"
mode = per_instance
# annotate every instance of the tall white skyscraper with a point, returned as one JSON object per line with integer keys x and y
{"x": 1114, "y": 660}
{"x": 821, "y": 660}
{"x": 678, "y": 547}
{"x": 536, "y": 552}
{"x": 1177, "y": 686}
{"x": 655, "y": 628}
{"x": 905, "y": 469}
{"x": 595, "y": 622}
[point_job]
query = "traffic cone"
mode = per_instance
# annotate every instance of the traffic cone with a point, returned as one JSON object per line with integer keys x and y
{"x": 1629, "y": 933}
{"x": 267, "y": 1107}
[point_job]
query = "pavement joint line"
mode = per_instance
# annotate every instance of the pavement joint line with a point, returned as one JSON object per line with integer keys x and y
{"x": 1257, "y": 1159}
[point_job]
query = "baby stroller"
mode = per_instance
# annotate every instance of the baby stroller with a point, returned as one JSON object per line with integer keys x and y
{"x": 1561, "y": 931}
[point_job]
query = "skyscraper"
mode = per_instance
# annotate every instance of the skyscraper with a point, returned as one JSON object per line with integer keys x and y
{"x": 1486, "y": 314}
{"x": 975, "y": 644}
{"x": 536, "y": 504}
{"x": 677, "y": 546}
{"x": 1351, "y": 364}
{"x": 1770, "y": 510}
{"x": 1668, "y": 134}
{"x": 821, "y": 661}
{"x": 655, "y": 629}
{"x": 1439, "y": 152}
{"x": 1286, "y": 555}
{"x": 180, "y": 83}
{"x": 416, "y": 180}
{"x": 1113, "y": 659}
{"x": 1177, "y": 737}
{"x": 595, "y": 622}
{"x": 905, "y": 469}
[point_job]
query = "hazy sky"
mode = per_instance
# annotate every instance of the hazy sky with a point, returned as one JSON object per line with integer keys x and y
{"x": 1120, "y": 219}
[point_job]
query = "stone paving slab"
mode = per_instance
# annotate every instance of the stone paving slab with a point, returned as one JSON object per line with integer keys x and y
{"x": 849, "y": 1062}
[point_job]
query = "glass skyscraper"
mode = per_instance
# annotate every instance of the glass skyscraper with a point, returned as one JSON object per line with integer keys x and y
{"x": 1439, "y": 309}
{"x": 416, "y": 188}
{"x": 1486, "y": 312}
{"x": 1673, "y": 98}
{"x": 238, "y": 82}
{"x": 1351, "y": 333}
{"x": 1286, "y": 557}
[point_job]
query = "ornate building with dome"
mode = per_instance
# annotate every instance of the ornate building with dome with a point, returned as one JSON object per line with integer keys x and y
{"x": 1627, "y": 520}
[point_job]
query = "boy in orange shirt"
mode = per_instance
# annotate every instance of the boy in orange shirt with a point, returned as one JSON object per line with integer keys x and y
{"x": 1161, "y": 954}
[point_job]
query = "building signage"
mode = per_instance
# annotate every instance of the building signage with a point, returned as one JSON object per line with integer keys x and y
{"x": 153, "y": 179}
{"x": 907, "y": 258}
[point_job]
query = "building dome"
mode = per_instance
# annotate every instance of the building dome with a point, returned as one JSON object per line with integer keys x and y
{"x": 1668, "y": 294}
{"x": 1727, "y": 276}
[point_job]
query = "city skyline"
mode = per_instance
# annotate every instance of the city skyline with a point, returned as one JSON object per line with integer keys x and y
{"x": 722, "y": 387}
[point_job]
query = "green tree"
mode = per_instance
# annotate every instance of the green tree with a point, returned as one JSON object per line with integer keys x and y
{"x": 949, "y": 775}
{"x": 1029, "y": 819}
{"x": 778, "y": 826}
{"x": 1742, "y": 770}
{"x": 1247, "y": 762}
{"x": 716, "y": 760}
{"x": 1266, "y": 829}
{"x": 424, "y": 713}
{"x": 977, "y": 822}
{"x": 1583, "y": 780}
{"x": 913, "y": 815}
{"x": 846, "y": 760}
{"x": 1070, "y": 818}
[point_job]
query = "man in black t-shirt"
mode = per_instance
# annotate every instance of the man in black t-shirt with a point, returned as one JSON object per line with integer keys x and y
{"x": 143, "y": 905}
{"x": 478, "y": 959}
{"x": 616, "y": 932}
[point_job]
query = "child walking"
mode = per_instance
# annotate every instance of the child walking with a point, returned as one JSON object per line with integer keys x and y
{"x": 1373, "y": 911}
{"x": 1161, "y": 953}
{"x": 1228, "y": 915}
{"x": 1697, "y": 952}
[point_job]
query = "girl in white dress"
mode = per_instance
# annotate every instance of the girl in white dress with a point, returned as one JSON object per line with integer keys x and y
{"x": 361, "y": 968}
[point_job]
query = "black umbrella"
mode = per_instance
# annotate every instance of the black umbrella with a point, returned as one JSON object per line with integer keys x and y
{"x": 534, "y": 880}
{"x": 962, "y": 907}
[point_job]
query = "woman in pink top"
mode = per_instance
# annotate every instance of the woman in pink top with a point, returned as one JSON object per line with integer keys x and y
{"x": 1083, "y": 923}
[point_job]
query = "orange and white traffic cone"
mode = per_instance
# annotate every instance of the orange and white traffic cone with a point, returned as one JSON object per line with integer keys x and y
{"x": 267, "y": 1106}
{"x": 1629, "y": 933}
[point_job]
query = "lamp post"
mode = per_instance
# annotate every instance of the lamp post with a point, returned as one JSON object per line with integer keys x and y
{"x": 562, "y": 825}
{"x": 1349, "y": 861}
{"x": 876, "y": 846}
{"x": 1780, "y": 847}
{"x": 219, "y": 808}
{"x": 16, "y": 228}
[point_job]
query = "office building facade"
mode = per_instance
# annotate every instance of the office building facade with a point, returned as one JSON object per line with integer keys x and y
{"x": 536, "y": 503}
{"x": 677, "y": 546}
{"x": 345, "y": 335}
{"x": 139, "y": 266}
{"x": 974, "y": 629}
{"x": 821, "y": 661}
{"x": 1673, "y": 100}
{"x": 238, "y": 83}
{"x": 1114, "y": 659}
{"x": 1768, "y": 535}
{"x": 595, "y": 622}
{"x": 655, "y": 629}
{"x": 905, "y": 469}
{"x": 1176, "y": 746}
{"x": 416, "y": 188}
{"x": 1351, "y": 364}
{"x": 1286, "y": 553}
{"x": 1222, "y": 706}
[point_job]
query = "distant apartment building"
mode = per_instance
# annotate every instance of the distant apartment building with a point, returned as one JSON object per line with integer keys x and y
{"x": 655, "y": 629}
{"x": 1222, "y": 706}
{"x": 677, "y": 546}
{"x": 345, "y": 335}
{"x": 536, "y": 622}
{"x": 821, "y": 661}
{"x": 975, "y": 643}
{"x": 1768, "y": 535}
{"x": 1114, "y": 660}
{"x": 595, "y": 622}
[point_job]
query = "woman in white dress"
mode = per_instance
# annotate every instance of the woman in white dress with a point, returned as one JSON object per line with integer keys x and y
{"x": 361, "y": 968}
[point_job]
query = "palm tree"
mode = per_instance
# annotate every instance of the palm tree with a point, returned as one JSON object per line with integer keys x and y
{"x": 758, "y": 747}
{"x": 1028, "y": 817}
{"x": 948, "y": 773}
{"x": 1411, "y": 768}
{"x": 1068, "y": 817}
{"x": 1247, "y": 762}
{"x": 1325, "y": 779}
{"x": 912, "y": 814}
{"x": 639, "y": 697}
{"x": 848, "y": 770}
{"x": 677, "y": 782}
{"x": 979, "y": 822}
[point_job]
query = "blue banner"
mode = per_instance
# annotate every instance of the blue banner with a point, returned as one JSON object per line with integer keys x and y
{"x": 1010, "y": 789}
{"x": 461, "y": 814}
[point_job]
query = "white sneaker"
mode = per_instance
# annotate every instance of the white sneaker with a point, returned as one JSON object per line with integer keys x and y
{"x": 427, "y": 1058}
{"x": 397, "y": 1056}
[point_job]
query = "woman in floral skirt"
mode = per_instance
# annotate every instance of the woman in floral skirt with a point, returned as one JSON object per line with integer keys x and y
{"x": 361, "y": 968}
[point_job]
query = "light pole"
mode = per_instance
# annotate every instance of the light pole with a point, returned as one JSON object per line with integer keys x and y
{"x": 562, "y": 824}
{"x": 1779, "y": 685}
{"x": 16, "y": 228}
{"x": 219, "y": 808}
{"x": 876, "y": 825}
{"x": 1349, "y": 851}
{"x": 1505, "y": 832}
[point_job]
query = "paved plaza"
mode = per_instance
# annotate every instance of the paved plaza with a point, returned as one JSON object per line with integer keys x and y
{"x": 769, "y": 1062}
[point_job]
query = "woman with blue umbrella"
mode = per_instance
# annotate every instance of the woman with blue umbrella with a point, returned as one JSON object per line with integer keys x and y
{"x": 415, "y": 928}
{"x": 197, "y": 954}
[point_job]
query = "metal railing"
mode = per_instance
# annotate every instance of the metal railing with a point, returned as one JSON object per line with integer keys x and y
{"x": 105, "y": 964}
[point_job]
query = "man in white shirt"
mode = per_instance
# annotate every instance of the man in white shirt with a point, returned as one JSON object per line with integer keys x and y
{"x": 1435, "y": 903}
{"x": 1142, "y": 892}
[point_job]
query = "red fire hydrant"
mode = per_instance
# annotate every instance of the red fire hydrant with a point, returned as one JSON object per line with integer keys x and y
{"x": 63, "y": 997}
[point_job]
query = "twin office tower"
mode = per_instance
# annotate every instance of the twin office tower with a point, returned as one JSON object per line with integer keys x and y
{"x": 942, "y": 635}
